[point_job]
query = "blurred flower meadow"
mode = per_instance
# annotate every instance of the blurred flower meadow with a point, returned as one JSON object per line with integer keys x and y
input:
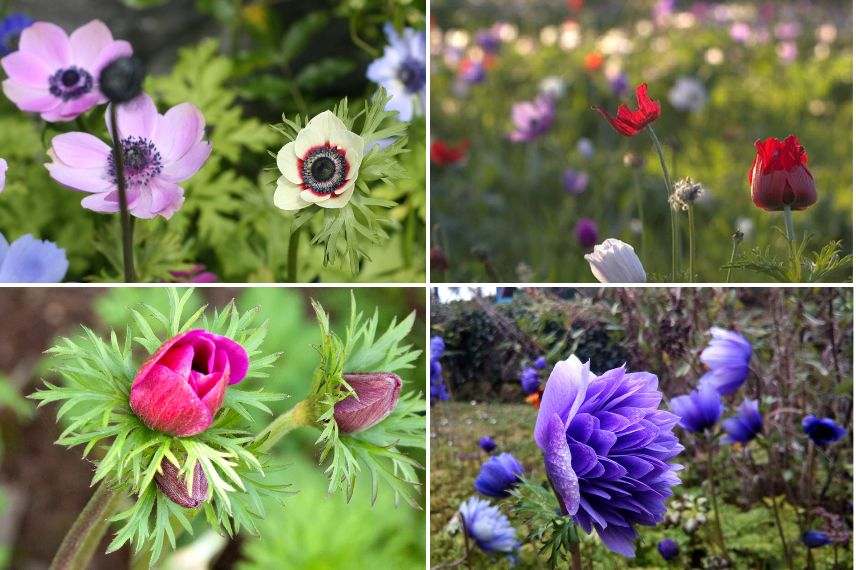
{"x": 710, "y": 141}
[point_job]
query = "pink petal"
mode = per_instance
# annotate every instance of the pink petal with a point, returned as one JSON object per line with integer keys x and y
{"x": 69, "y": 110}
{"x": 137, "y": 118}
{"x": 88, "y": 41}
{"x": 104, "y": 202}
{"x": 164, "y": 401}
{"x": 81, "y": 150}
{"x": 47, "y": 41}
{"x": 189, "y": 164}
{"x": 178, "y": 130}
{"x": 30, "y": 99}
{"x": 27, "y": 69}
{"x": 83, "y": 179}
{"x": 112, "y": 52}
{"x": 160, "y": 198}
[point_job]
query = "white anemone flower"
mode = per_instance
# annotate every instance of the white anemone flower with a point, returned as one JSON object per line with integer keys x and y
{"x": 320, "y": 166}
{"x": 614, "y": 261}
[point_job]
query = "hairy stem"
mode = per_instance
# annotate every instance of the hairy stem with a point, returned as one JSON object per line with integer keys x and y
{"x": 124, "y": 214}
{"x": 85, "y": 534}
{"x": 302, "y": 414}
{"x": 293, "y": 246}
{"x": 780, "y": 528}
{"x": 668, "y": 184}
{"x": 734, "y": 244}
{"x": 790, "y": 234}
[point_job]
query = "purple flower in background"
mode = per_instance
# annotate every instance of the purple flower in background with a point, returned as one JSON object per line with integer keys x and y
{"x": 197, "y": 273}
{"x": 488, "y": 527}
{"x": 668, "y": 548}
{"x": 29, "y": 260}
{"x": 662, "y": 10}
{"x": 787, "y": 31}
{"x": 727, "y": 356}
{"x": 607, "y": 447}
{"x": 529, "y": 380}
{"x": 619, "y": 83}
{"x": 787, "y": 52}
{"x": 10, "y": 32}
{"x": 471, "y": 72}
{"x": 815, "y": 538}
{"x": 487, "y": 444}
{"x": 822, "y": 431}
{"x": 401, "y": 71}
{"x": 488, "y": 40}
{"x": 532, "y": 119}
{"x": 699, "y": 410}
{"x": 575, "y": 181}
{"x": 540, "y": 363}
{"x": 439, "y": 391}
{"x": 743, "y": 427}
{"x": 740, "y": 32}
{"x": 499, "y": 475}
{"x": 586, "y": 233}
{"x": 585, "y": 148}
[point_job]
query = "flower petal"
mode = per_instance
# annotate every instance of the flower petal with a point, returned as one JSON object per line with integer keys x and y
{"x": 287, "y": 196}
{"x": 563, "y": 395}
{"x": 47, "y": 41}
{"x": 137, "y": 118}
{"x": 27, "y": 69}
{"x": 29, "y": 99}
{"x": 323, "y": 128}
{"x": 87, "y": 42}
{"x": 83, "y": 179}
{"x": 288, "y": 164}
{"x": 178, "y": 130}
{"x": 109, "y": 54}
{"x": 81, "y": 150}
{"x": 29, "y": 260}
{"x": 557, "y": 463}
{"x": 189, "y": 164}
{"x": 167, "y": 403}
{"x": 339, "y": 201}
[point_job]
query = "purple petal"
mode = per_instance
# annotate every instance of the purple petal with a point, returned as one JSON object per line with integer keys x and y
{"x": 558, "y": 464}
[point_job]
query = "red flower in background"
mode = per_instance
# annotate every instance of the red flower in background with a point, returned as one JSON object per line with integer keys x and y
{"x": 444, "y": 154}
{"x": 593, "y": 60}
{"x": 779, "y": 176}
{"x": 629, "y": 123}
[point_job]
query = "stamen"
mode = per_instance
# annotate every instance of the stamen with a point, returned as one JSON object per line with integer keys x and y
{"x": 70, "y": 83}
{"x": 142, "y": 162}
{"x": 324, "y": 169}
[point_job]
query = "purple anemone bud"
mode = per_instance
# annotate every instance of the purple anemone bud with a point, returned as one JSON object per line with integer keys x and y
{"x": 743, "y": 427}
{"x": 586, "y": 233}
{"x": 668, "y": 548}
{"x": 529, "y": 380}
{"x": 376, "y": 396}
{"x": 575, "y": 181}
{"x": 173, "y": 485}
{"x": 122, "y": 80}
{"x": 499, "y": 475}
{"x": 487, "y": 443}
{"x": 698, "y": 410}
{"x": 822, "y": 431}
{"x": 540, "y": 363}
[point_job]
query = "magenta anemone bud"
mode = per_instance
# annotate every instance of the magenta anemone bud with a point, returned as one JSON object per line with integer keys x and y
{"x": 376, "y": 396}
{"x": 173, "y": 485}
{"x": 180, "y": 388}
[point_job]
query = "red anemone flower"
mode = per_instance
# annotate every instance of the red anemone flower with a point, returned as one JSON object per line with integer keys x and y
{"x": 443, "y": 154}
{"x": 629, "y": 123}
{"x": 779, "y": 176}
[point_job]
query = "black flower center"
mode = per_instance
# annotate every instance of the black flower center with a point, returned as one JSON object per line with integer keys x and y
{"x": 412, "y": 74}
{"x": 324, "y": 169}
{"x": 141, "y": 160}
{"x": 70, "y": 83}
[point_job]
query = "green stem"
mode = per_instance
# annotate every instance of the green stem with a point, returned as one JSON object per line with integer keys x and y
{"x": 692, "y": 242}
{"x": 713, "y": 498}
{"x": 641, "y": 210}
{"x": 668, "y": 184}
{"x": 293, "y": 246}
{"x": 302, "y": 414}
{"x": 734, "y": 244}
{"x": 124, "y": 214}
{"x": 780, "y": 528}
{"x": 85, "y": 534}
{"x": 576, "y": 557}
{"x": 790, "y": 234}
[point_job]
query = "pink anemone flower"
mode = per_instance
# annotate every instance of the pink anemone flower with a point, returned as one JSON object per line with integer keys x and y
{"x": 56, "y": 75}
{"x": 159, "y": 152}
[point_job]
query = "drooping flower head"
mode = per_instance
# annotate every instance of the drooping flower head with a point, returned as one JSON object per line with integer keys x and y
{"x": 575, "y": 181}
{"x": 586, "y": 233}
{"x": 779, "y": 176}
{"x": 529, "y": 380}
{"x": 56, "y": 75}
{"x": 743, "y": 427}
{"x": 607, "y": 447}
{"x": 447, "y": 154}
{"x": 614, "y": 261}
{"x": 29, "y": 260}
{"x": 401, "y": 71}
{"x": 698, "y": 410}
{"x": 439, "y": 391}
{"x": 487, "y": 444}
{"x": 668, "y": 549}
{"x": 499, "y": 475}
{"x": 10, "y": 31}
{"x": 376, "y": 395}
{"x": 532, "y": 119}
{"x": 159, "y": 152}
{"x": 320, "y": 166}
{"x": 488, "y": 527}
{"x": 822, "y": 431}
{"x": 815, "y": 538}
{"x": 629, "y": 123}
{"x": 182, "y": 386}
{"x": 727, "y": 356}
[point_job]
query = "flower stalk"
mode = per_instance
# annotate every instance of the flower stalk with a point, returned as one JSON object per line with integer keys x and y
{"x": 576, "y": 557}
{"x": 81, "y": 540}
{"x": 673, "y": 215}
{"x": 711, "y": 480}
{"x": 691, "y": 226}
{"x": 124, "y": 214}
{"x": 302, "y": 414}
{"x": 791, "y": 236}
{"x": 777, "y": 516}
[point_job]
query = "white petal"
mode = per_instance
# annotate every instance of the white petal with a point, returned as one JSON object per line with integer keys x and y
{"x": 287, "y": 163}
{"x": 340, "y": 200}
{"x": 287, "y": 196}
{"x": 355, "y": 148}
{"x": 313, "y": 198}
{"x": 614, "y": 261}
{"x": 323, "y": 128}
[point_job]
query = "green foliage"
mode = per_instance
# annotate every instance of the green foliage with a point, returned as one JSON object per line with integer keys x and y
{"x": 537, "y": 507}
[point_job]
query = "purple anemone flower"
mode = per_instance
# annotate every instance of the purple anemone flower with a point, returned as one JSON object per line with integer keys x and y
{"x": 488, "y": 527}
{"x": 487, "y": 443}
{"x": 10, "y": 31}
{"x": 619, "y": 84}
{"x": 529, "y": 380}
{"x": 586, "y": 233}
{"x": 607, "y": 447}
{"x": 743, "y": 427}
{"x": 488, "y": 40}
{"x": 499, "y": 475}
{"x": 668, "y": 548}
{"x": 822, "y": 431}
{"x": 540, "y": 363}
{"x": 532, "y": 119}
{"x": 575, "y": 181}
{"x": 698, "y": 410}
{"x": 439, "y": 391}
{"x": 727, "y": 356}
{"x": 401, "y": 71}
{"x": 29, "y": 260}
{"x": 815, "y": 538}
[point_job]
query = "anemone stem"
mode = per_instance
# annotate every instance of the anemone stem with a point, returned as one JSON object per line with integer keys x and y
{"x": 780, "y": 528}
{"x": 673, "y": 215}
{"x": 734, "y": 244}
{"x": 81, "y": 540}
{"x": 790, "y": 234}
{"x": 124, "y": 214}
{"x": 692, "y": 242}
{"x": 576, "y": 557}
{"x": 302, "y": 414}
{"x": 711, "y": 479}
{"x": 293, "y": 246}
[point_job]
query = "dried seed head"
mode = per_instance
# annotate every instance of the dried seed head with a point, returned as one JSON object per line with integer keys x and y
{"x": 686, "y": 192}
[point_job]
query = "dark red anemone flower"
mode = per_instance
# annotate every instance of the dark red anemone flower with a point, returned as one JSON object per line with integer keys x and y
{"x": 779, "y": 176}
{"x": 629, "y": 123}
{"x": 443, "y": 154}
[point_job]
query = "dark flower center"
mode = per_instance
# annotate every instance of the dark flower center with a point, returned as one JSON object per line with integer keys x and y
{"x": 142, "y": 162}
{"x": 70, "y": 83}
{"x": 324, "y": 169}
{"x": 822, "y": 432}
{"x": 412, "y": 74}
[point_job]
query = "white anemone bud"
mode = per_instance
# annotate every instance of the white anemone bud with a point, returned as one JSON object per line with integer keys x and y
{"x": 614, "y": 261}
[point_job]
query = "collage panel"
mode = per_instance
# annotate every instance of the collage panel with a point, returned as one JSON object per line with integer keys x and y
{"x": 662, "y": 141}
{"x": 611, "y": 428}
{"x": 251, "y": 428}
{"x": 230, "y": 141}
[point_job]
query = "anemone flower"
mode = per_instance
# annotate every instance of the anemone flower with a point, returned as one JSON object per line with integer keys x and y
{"x": 815, "y": 538}
{"x": 699, "y": 410}
{"x": 607, "y": 447}
{"x": 586, "y": 233}
{"x": 540, "y": 363}
{"x": 56, "y": 75}
{"x": 532, "y": 119}
{"x": 614, "y": 261}
{"x": 743, "y": 427}
{"x": 727, "y": 356}
{"x": 629, "y": 123}
{"x": 401, "y": 71}
{"x": 487, "y": 444}
{"x": 29, "y": 260}
{"x": 159, "y": 151}
{"x": 529, "y": 380}
{"x": 668, "y": 549}
{"x": 499, "y": 475}
{"x": 779, "y": 177}
{"x": 488, "y": 527}
{"x": 10, "y": 31}
{"x": 822, "y": 431}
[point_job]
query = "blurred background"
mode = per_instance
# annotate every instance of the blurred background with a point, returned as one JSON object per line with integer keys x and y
{"x": 43, "y": 487}
{"x": 725, "y": 74}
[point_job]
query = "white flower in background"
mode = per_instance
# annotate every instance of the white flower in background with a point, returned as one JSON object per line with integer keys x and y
{"x": 401, "y": 71}
{"x": 614, "y": 261}
{"x": 553, "y": 87}
{"x": 688, "y": 94}
{"x": 320, "y": 166}
{"x": 745, "y": 226}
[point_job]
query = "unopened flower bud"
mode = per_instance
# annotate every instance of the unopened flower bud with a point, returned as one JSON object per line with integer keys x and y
{"x": 122, "y": 80}
{"x": 173, "y": 485}
{"x": 375, "y": 396}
